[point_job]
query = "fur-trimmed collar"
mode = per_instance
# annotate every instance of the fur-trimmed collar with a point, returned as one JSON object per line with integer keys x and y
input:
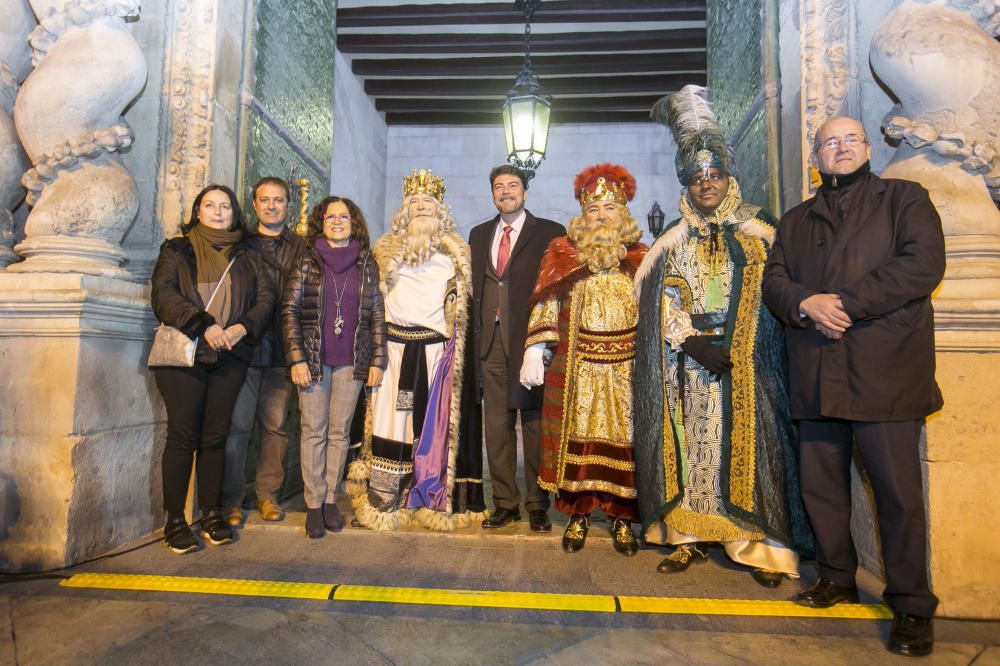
{"x": 749, "y": 222}
{"x": 560, "y": 269}
{"x": 389, "y": 255}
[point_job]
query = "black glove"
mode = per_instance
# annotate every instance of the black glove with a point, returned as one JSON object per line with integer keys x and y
{"x": 711, "y": 357}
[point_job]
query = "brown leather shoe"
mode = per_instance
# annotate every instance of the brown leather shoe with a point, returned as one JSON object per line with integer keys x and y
{"x": 269, "y": 510}
{"x": 235, "y": 517}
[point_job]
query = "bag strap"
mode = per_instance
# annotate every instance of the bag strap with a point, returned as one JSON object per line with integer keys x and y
{"x": 219, "y": 283}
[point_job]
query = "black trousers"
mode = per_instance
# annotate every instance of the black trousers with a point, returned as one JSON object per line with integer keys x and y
{"x": 501, "y": 438}
{"x": 199, "y": 404}
{"x": 890, "y": 456}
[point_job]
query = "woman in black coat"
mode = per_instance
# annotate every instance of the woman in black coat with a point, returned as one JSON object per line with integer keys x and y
{"x": 333, "y": 325}
{"x": 199, "y": 400}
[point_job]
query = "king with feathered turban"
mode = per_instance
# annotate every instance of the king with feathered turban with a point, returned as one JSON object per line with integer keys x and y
{"x": 584, "y": 315}
{"x": 714, "y": 441}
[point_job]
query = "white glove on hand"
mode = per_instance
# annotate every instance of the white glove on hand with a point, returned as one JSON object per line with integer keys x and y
{"x": 533, "y": 366}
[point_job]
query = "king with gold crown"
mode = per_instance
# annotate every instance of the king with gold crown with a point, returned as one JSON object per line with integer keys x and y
{"x": 414, "y": 463}
{"x": 584, "y": 314}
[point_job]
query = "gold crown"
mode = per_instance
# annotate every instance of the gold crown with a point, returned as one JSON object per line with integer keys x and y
{"x": 423, "y": 182}
{"x": 605, "y": 190}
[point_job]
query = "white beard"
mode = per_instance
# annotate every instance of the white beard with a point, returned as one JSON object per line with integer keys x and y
{"x": 421, "y": 239}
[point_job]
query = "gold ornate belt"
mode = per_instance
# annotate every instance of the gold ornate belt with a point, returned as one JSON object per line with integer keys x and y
{"x": 606, "y": 346}
{"x": 412, "y": 334}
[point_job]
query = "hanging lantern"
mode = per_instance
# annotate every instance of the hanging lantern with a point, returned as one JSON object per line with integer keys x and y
{"x": 655, "y": 219}
{"x": 527, "y": 108}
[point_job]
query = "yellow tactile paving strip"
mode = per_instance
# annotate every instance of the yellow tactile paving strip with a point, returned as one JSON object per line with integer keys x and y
{"x": 472, "y": 598}
{"x": 231, "y": 586}
{"x": 476, "y": 598}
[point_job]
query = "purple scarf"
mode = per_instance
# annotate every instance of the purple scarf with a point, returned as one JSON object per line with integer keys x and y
{"x": 340, "y": 276}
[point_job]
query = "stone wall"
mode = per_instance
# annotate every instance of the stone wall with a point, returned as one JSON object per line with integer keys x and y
{"x": 360, "y": 147}
{"x": 288, "y": 89}
{"x": 463, "y": 156}
{"x": 735, "y": 34}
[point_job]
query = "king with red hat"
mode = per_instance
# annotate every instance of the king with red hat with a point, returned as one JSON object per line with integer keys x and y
{"x": 584, "y": 318}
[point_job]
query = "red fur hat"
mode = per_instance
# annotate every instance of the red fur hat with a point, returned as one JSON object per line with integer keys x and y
{"x": 604, "y": 182}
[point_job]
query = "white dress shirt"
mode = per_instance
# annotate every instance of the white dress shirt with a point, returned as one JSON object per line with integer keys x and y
{"x": 518, "y": 224}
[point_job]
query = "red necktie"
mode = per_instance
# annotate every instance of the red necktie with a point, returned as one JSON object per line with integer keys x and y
{"x": 503, "y": 252}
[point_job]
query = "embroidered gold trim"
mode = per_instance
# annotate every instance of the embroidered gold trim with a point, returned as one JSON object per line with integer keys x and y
{"x": 607, "y": 336}
{"x": 391, "y": 465}
{"x": 602, "y": 486}
{"x": 545, "y": 335}
{"x": 709, "y": 528}
{"x": 670, "y": 486}
{"x": 603, "y": 461}
{"x": 687, "y": 300}
{"x": 409, "y": 334}
{"x": 742, "y": 468}
{"x": 575, "y": 298}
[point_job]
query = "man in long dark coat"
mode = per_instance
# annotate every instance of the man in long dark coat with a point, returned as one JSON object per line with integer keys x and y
{"x": 851, "y": 275}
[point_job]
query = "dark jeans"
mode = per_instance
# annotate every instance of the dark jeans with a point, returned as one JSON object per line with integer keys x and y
{"x": 199, "y": 404}
{"x": 889, "y": 453}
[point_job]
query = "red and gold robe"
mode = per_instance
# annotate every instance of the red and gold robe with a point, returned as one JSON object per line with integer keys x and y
{"x": 589, "y": 319}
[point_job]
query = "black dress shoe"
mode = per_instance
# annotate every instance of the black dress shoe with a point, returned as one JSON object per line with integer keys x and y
{"x": 539, "y": 521}
{"x": 500, "y": 518}
{"x": 575, "y": 535}
{"x": 911, "y": 635}
{"x": 682, "y": 557}
{"x": 622, "y": 538}
{"x": 356, "y": 524}
{"x": 315, "y": 529}
{"x": 826, "y": 593}
{"x": 767, "y": 578}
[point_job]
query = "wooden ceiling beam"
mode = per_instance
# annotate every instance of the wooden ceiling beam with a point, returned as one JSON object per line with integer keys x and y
{"x": 563, "y": 42}
{"x": 610, "y": 63}
{"x": 497, "y": 88}
{"x": 641, "y": 103}
{"x": 578, "y": 11}
{"x": 474, "y": 118}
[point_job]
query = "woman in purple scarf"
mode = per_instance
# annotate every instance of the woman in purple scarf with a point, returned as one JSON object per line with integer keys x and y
{"x": 333, "y": 325}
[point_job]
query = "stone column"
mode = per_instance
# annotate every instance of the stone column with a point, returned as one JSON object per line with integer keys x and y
{"x": 941, "y": 61}
{"x": 15, "y": 63}
{"x": 88, "y": 68}
{"x": 80, "y": 417}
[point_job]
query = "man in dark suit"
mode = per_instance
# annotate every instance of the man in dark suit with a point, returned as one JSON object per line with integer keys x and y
{"x": 851, "y": 274}
{"x": 506, "y": 252}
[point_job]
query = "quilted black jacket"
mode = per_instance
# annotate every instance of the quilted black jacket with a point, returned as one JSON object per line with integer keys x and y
{"x": 302, "y": 306}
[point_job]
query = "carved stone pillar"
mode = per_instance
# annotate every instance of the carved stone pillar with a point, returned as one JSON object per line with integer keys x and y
{"x": 15, "y": 63}
{"x": 941, "y": 61}
{"x": 88, "y": 68}
{"x": 826, "y": 75}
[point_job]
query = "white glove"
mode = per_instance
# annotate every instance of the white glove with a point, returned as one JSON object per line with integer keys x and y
{"x": 533, "y": 366}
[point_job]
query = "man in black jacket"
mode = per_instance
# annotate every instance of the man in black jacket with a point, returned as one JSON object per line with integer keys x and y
{"x": 851, "y": 274}
{"x": 267, "y": 390}
{"x": 506, "y": 252}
